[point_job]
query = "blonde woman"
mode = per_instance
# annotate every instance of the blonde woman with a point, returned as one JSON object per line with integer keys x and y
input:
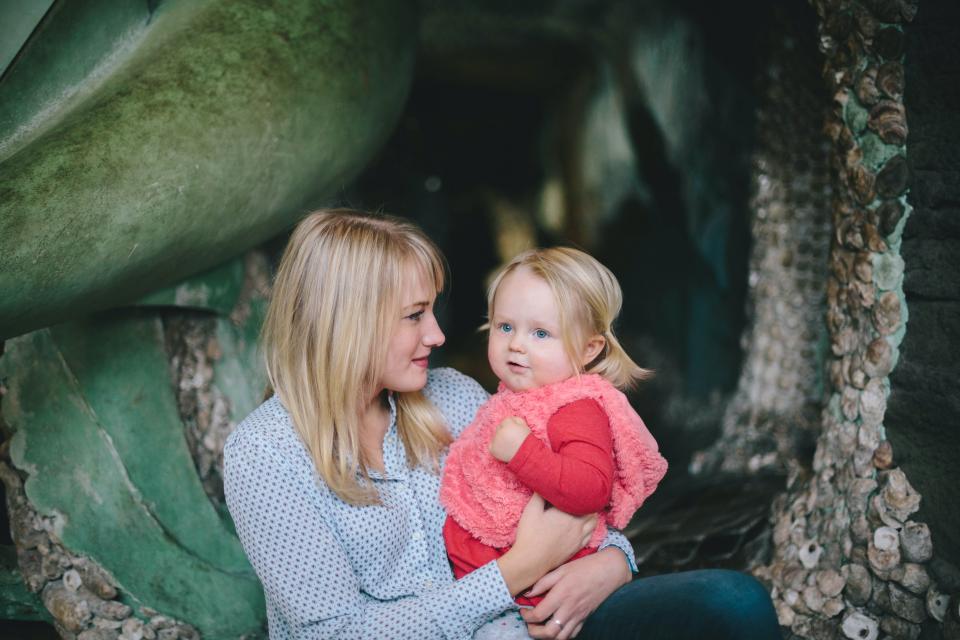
{"x": 333, "y": 481}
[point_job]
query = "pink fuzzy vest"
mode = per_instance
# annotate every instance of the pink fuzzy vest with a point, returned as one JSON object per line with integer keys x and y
{"x": 486, "y": 499}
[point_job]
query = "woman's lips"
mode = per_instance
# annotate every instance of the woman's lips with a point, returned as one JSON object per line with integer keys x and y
{"x": 421, "y": 362}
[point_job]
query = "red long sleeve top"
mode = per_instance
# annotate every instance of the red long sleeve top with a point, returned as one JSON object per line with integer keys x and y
{"x": 574, "y": 474}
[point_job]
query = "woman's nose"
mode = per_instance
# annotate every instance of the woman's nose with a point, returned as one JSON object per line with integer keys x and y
{"x": 433, "y": 336}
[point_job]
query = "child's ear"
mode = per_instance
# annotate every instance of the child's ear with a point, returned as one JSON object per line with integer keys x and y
{"x": 593, "y": 348}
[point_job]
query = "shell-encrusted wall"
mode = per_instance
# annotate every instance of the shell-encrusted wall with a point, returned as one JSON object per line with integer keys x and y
{"x": 775, "y": 409}
{"x": 80, "y": 595}
{"x": 849, "y": 561}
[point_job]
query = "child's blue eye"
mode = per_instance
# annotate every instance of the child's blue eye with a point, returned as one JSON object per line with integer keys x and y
{"x": 505, "y": 327}
{"x": 541, "y": 333}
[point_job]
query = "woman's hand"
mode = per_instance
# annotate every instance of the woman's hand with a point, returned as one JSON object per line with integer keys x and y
{"x": 574, "y": 590}
{"x": 508, "y": 437}
{"x": 546, "y": 538}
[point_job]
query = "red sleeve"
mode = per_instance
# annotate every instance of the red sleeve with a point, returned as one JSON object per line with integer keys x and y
{"x": 576, "y": 476}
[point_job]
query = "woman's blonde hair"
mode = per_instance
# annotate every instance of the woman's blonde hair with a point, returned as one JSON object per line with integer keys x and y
{"x": 335, "y": 304}
{"x": 589, "y": 299}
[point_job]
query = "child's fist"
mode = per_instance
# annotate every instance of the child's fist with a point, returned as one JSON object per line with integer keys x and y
{"x": 509, "y": 436}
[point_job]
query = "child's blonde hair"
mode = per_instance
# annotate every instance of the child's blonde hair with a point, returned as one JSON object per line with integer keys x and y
{"x": 335, "y": 303}
{"x": 589, "y": 299}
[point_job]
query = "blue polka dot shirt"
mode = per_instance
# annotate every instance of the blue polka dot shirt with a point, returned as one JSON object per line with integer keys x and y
{"x": 330, "y": 569}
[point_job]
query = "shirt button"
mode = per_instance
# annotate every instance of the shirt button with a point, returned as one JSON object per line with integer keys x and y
{"x": 418, "y": 535}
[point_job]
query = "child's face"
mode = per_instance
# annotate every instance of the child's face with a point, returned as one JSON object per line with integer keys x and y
{"x": 525, "y": 348}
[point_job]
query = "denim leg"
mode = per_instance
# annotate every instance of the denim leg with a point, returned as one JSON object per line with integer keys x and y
{"x": 711, "y": 604}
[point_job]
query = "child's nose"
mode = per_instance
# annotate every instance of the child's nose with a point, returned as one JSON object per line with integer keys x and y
{"x": 516, "y": 344}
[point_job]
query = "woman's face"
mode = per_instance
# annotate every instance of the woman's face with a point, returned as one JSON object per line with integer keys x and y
{"x": 414, "y": 336}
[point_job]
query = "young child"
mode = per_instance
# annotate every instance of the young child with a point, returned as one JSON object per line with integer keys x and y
{"x": 558, "y": 424}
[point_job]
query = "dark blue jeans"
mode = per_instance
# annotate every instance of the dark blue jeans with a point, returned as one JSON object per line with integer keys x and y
{"x": 711, "y": 604}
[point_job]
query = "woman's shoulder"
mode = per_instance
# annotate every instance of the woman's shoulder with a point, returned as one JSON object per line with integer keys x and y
{"x": 268, "y": 429}
{"x": 458, "y": 396}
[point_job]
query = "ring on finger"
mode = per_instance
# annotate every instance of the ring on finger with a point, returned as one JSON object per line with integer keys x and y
{"x": 559, "y": 624}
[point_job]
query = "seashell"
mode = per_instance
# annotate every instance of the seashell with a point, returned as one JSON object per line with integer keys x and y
{"x": 858, "y": 584}
{"x": 132, "y": 629}
{"x": 113, "y": 609}
{"x": 874, "y": 240}
{"x": 866, "y": 294}
{"x": 886, "y": 313}
{"x": 103, "y": 623}
{"x": 832, "y": 607}
{"x": 868, "y": 435}
{"x": 899, "y": 628}
{"x": 937, "y": 604}
{"x": 863, "y": 463}
{"x": 847, "y": 438}
{"x": 67, "y": 608}
{"x": 159, "y": 622}
{"x": 889, "y": 120}
{"x": 72, "y": 580}
{"x": 879, "y": 513}
{"x": 859, "y": 490}
{"x": 886, "y": 539}
{"x": 890, "y": 79}
{"x": 853, "y": 157}
{"x": 889, "y": 270}
{"x": 888, "y": 215}
{"x": 830, "y": 582}
{"x": 883, "y": 455}
{"x": 906, "y": 605}
{"x": 809, "y": 554}
{"x": 878, "y": 359}
{"x": 850, "y": 403}
{"x": 882, "y": 561}
{"x": 863, "y": 181}
{"x": 845, "y": 342}
{"x": 95, "y": 579}
{"x": 863, "y": 267}
{"x": 900, "y": 498}
{"x": 912, "y": 576}
{"x": 795, "y": 578}
{"x": 859, "y": 626}
{"x": 867, "y": 92}
{"x": 873, "y": 402}
{"x": 785, "y": 614}
{"x": 813, "y": 599}
{"x": 915, "y": 542}
{"x": 893, "y": 177}
{"x": 888, "y": 43}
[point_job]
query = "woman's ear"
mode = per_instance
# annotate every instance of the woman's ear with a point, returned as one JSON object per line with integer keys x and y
{"x": 593, "y": 348}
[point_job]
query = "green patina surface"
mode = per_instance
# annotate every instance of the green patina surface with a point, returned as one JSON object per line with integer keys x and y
{"x": 205, "y": 130}
{"x": 98, "y": 435}
{"x": 214, "y": 290}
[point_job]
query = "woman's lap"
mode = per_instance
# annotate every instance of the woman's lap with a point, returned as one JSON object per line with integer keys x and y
{"x": 713, "y": 603}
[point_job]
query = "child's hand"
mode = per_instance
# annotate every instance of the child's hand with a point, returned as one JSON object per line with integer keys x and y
{"x": 509, "y": 436}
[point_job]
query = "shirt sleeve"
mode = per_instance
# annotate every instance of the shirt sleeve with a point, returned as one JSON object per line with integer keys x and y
{"x": 616, "y": 539}
{"x": 576, "y": 476}
{"x": 306, "y": 574}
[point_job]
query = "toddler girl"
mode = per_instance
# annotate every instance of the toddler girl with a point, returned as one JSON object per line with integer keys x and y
{"x": 558, "y": 424}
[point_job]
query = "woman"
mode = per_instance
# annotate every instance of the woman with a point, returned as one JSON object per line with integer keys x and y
{"x": 333, "y": 481}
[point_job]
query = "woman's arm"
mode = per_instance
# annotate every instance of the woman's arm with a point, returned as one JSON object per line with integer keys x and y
{"x": 532, "y": 554}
